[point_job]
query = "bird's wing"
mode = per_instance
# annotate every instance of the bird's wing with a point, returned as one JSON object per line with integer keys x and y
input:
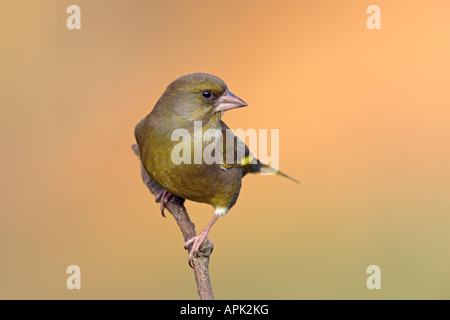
{"x": 235, "y": 152}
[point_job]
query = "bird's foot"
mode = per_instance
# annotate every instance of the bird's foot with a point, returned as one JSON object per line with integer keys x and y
{"x": 163, "y": 197}
{"x": 195, "y": 244}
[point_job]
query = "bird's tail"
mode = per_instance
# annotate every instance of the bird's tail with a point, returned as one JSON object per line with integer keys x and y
{"x": 265, "y": 169}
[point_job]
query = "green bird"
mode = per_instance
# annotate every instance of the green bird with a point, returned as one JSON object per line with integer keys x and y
{"x": 196, "y": 98}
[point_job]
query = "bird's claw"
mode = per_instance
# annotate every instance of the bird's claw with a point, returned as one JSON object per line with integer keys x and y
{"x": 195, "y": 244}
{"x": 163, "y": 197}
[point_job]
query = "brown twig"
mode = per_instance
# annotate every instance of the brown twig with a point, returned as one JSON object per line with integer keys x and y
{"x": 178, "y": 211}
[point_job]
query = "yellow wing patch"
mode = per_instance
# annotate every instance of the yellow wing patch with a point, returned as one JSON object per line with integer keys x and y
{"x": 246, "y": 160}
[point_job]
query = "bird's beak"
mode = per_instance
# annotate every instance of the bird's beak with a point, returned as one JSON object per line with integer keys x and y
{"x": 229, "y": 101}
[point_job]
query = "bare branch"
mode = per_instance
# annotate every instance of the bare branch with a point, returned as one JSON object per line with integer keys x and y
{"x": 178, "y": 211}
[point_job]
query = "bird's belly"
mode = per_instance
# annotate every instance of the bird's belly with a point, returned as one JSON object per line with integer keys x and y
{"x": 186, "y": 180}
{"x": 198, "y": 182}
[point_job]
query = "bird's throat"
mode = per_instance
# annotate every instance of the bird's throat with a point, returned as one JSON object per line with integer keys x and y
{"x": 213, "y": 122}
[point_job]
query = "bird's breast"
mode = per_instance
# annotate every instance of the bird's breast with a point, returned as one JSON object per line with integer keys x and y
{"x": 201, "y": 182}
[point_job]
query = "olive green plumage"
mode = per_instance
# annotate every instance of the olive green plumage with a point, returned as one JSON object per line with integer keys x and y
{"x": 183, "y": 102}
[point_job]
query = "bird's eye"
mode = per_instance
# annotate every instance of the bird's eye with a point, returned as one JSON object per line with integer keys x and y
{"x": 207, "y": 94}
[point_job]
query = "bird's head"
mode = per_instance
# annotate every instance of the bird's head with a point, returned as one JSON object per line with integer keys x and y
{"x": 199, "y": 96}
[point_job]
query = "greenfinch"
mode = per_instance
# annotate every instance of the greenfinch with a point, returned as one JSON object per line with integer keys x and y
{"x": 196, "y": 98}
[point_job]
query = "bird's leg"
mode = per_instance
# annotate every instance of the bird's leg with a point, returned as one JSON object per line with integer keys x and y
{"x": 163, "y": 197}
{"x": 199, "y": 238}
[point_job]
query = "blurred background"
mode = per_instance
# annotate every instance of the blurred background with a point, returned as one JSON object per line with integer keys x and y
{"x": 364, "y": 125}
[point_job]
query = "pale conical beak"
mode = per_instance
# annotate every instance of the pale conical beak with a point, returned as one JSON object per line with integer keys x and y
{"x": 229, "y": 101}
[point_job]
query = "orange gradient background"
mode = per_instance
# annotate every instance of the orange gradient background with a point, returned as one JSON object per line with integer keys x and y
{"x": 364, "y": 119}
